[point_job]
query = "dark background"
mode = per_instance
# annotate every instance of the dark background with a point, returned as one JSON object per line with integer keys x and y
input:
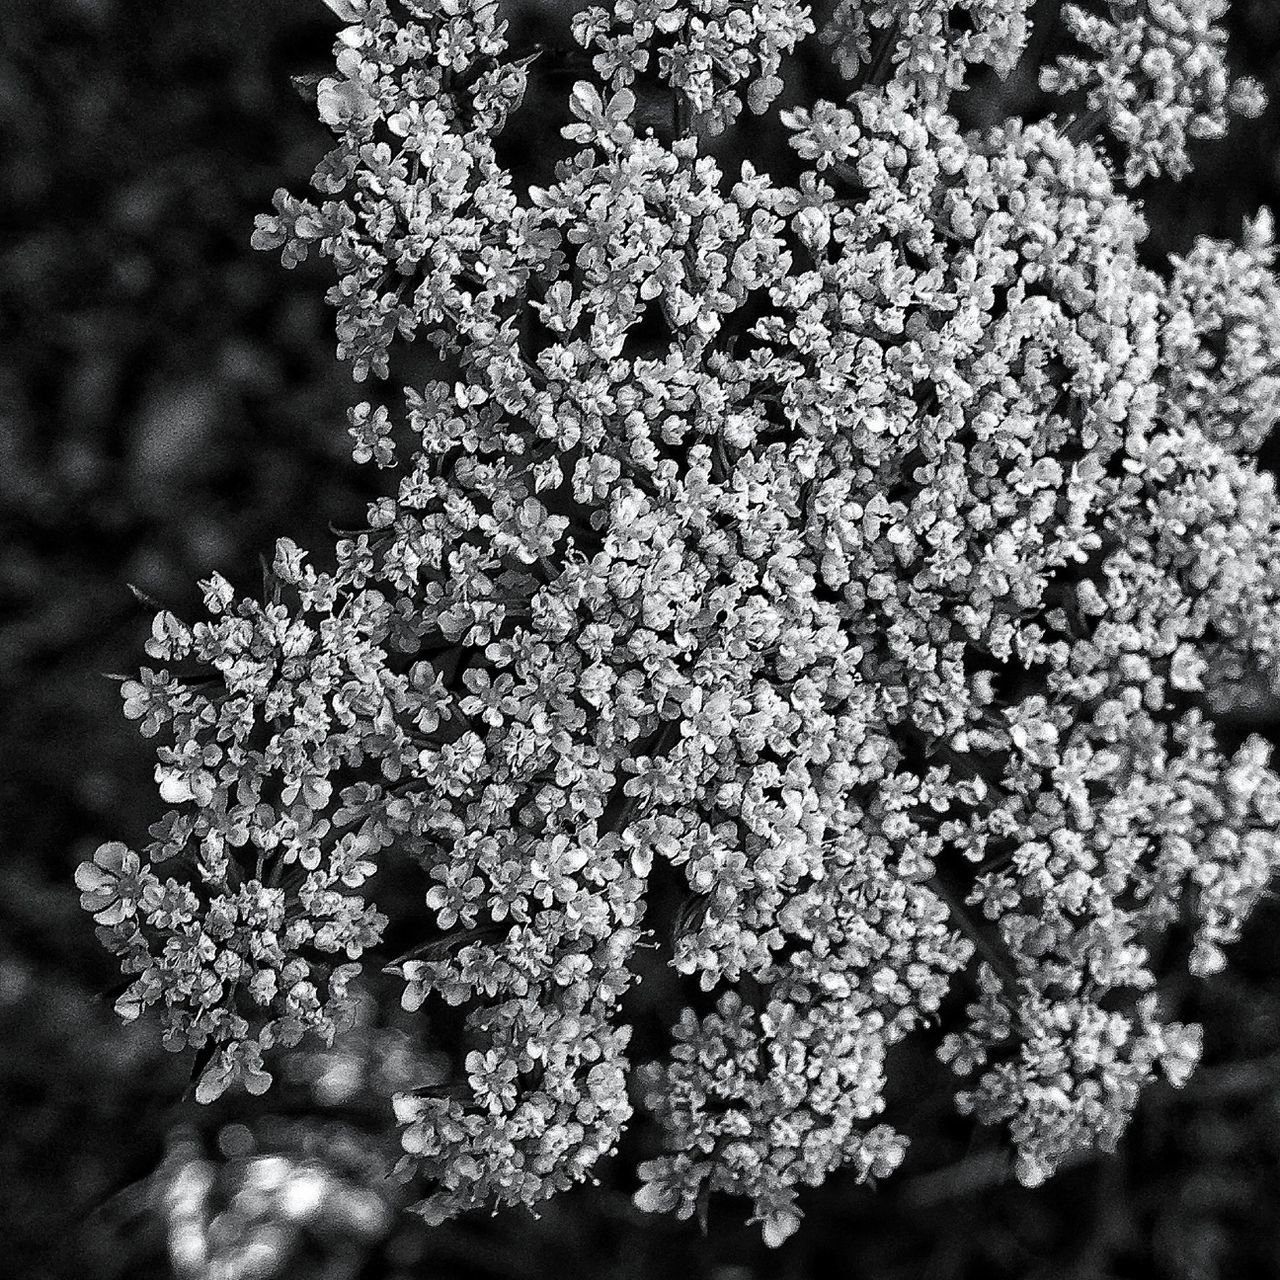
{"x": 169, "y": 404}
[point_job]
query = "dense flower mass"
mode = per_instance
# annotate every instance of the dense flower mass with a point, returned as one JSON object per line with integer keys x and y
{"x": 1154, "y": 73}
{"x": 705, "y": 49}
{"x": 872, "y": 549}
{"x": 929, "y": 43}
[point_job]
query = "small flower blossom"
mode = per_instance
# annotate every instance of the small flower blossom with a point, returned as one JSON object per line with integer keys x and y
{"x": 113, "y": 884}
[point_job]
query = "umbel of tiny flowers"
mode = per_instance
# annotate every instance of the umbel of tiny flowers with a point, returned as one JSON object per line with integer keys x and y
{"x": 888, "y": 595}
{"x": 1154, "y": 73}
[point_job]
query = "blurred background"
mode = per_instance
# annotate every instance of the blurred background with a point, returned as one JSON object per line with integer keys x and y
{"x": 169, "y": 404}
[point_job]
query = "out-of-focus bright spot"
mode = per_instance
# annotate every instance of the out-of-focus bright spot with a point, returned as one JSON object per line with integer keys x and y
{"x": 343, "y": 1080}
{"x": 303, "y": 1194}
{"x": 187, "y": 1247}
{"x": 186, "y": 1196}
{"x": 15, "y": 980}
{"x": 368, "y": 1211}
{"x": 267, "y": 1174}
{"x": 235, "y": 1141}
{"x": 260, "y": 1257}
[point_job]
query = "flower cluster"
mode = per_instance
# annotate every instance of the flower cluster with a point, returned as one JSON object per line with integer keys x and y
{"x": 1154, "y": 72}
{"x": 1219, "y": 343}
{"x": 929, "y": 43}
{"x": 759, "y": 1104}
{"x": 872, "y": 550}
{"x": 253, "y": 945}
{"x": 427, "y": 214}
{"x": 708, "y": 51}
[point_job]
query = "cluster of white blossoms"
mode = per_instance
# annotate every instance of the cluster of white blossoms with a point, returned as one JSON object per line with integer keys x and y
{"x": 1154, "y": 72}
{"x": 702, "y": 50}
{"x": 928, "y": 43}
{"x": 873, "y": 550}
